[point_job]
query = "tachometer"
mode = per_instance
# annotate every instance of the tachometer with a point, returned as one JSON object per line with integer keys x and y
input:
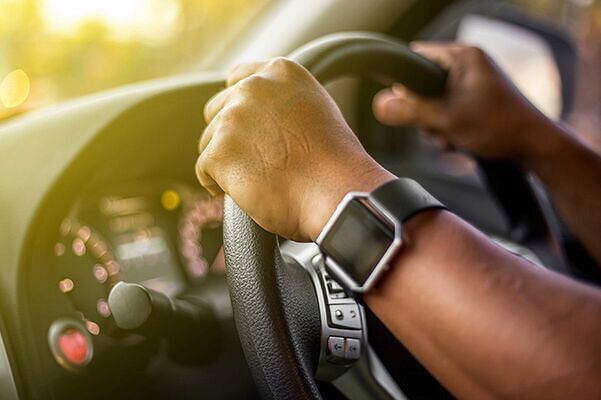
{"x": 201, "y": 234}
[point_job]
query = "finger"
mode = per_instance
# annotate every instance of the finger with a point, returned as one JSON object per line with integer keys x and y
{"x": 206, "y": 137}
{"x": 203, "y": 166}
{"x": 244, "y": 70}
{"x": 214, "y": 126}
{"x": 442, "y": 53}
{"x": 398, "y": 106}
{"x": 216, "y": 104}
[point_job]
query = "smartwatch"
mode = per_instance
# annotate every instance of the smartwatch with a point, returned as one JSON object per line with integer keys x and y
{"x": 364, "y": 233}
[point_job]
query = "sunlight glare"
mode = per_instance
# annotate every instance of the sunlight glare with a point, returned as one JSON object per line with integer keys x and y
{"x": 152, "y": 20}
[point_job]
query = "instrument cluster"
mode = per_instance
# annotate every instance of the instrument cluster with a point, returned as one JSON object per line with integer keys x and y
{"x": 166, "y": 236}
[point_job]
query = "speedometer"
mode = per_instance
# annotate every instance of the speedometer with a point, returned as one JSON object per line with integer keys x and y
{"x": 88, "y": 284}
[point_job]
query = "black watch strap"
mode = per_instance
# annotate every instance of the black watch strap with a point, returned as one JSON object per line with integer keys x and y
{"x": 404, "y": 198}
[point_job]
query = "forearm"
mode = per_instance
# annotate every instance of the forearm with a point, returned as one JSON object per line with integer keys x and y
{"x": 486, "y": 323}
{"x": 571, "y": 173}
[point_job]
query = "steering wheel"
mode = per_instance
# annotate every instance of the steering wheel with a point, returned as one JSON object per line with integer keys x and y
{"x": 275, "y": 303}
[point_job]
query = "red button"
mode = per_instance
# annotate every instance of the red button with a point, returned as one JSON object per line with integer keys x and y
{"x": 75, "y": 346}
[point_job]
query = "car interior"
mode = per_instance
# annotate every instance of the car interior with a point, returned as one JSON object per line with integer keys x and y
{"x": 122, "y": 278}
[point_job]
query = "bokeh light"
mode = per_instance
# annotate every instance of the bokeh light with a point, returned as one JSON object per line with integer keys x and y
{"x": 170, "y": 200}
{"x": 14, "y": 89}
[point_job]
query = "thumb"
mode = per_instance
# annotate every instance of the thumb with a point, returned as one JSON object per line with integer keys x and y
{"x": 398, "y": 106}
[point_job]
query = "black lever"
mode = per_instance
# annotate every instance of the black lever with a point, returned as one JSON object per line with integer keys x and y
{"x": 190, "y": 326}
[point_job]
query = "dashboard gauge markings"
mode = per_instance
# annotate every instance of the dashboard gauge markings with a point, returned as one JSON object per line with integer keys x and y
{"x": 201, "y": 215}
{"x": 84, "y": 233}
{"x": 65, "y": 227}
{"x": 78, "y": 247}
{"x": 92, "y": 327}
{"x": 97, "y": 248}
{"x": 66, "y": 285}
{"x": 112, "y": 268}
{"x": 100, "y": 273}
{"x": 103, "y": 308}
{"x": 88, "y": 269}
{"x": 59, "y": 249}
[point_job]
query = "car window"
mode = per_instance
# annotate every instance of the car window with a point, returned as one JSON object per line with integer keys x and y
{"x": 582, "y": 19}
{"x": 52, "y": 50}
{"x": 524, "y": 57}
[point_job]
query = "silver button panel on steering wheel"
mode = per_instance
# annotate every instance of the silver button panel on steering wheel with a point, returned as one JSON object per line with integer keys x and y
{"x": 342, "y": 328}
{"x": 343, "y": 333}
{"x": 345, "y": 355}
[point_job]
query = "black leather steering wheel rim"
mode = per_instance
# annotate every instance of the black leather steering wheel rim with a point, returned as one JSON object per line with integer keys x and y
{"x": 275, "y": 309}
{"x": 273, "y": 314}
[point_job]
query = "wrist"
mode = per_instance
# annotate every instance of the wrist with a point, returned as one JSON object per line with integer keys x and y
{"x": 319, "y": 208}
{"x": 427, "y": 236}
{"x": 543, "y": 140}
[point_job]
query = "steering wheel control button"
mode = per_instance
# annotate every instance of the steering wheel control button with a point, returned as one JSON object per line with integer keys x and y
{"x": 341, "y": 295}
{"x": 334, "y": 286}
{"x": 336, "y": 348}
{"x": 335, "y": 291}
{"x": 345, "y": 316}
{"x": 70, "y": 344}
{"x": 352, "y": 349}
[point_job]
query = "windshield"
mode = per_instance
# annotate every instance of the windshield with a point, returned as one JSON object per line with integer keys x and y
{"x": 52, "y": 50}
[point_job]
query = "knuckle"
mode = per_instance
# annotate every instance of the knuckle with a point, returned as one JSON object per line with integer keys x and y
{"x": 229, "y": 116}
{"x": 474, "y": 53}
{"x": 200, "y": 172}
{"x": 281, "y": 65}
{"x": 208, "y": 110}
{"x": 205, "y": 162}
{"x": 243, "y": 86}
{"x": 279, "y": 62}
{"x": 251, "y": 84}
{"x": 202, "y": 163}
{"x": 203, "y": 140}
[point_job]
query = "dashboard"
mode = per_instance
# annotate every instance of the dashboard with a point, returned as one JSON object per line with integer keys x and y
{"x": 163, "y": 235}
{"x": 111, "y": 196}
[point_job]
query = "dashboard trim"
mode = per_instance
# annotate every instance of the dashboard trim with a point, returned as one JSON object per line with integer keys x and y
{"x": 8, "y": 386}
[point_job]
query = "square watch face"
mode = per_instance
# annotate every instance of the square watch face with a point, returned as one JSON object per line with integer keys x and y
{"x": 358, "y": 240}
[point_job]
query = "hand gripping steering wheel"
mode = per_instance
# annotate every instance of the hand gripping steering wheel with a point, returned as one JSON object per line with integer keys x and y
{"x": 275, "y": 303}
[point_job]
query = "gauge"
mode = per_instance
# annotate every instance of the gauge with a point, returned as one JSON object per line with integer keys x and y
{"x": 87, "y": 268}
{"x": 155, "y": 234}
{"x": 201, "y": 236}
